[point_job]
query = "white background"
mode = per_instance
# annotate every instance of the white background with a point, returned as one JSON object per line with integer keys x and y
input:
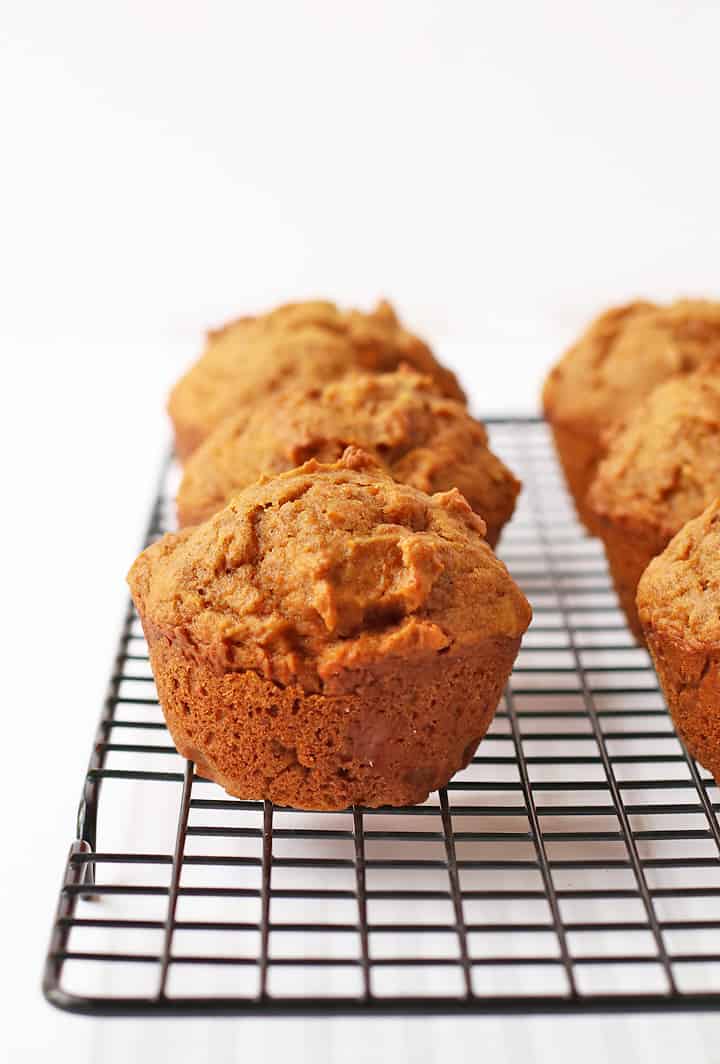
{"x": 500, "y": 170}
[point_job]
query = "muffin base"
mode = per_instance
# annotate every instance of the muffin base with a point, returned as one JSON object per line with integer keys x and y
{"x": 690, "y": 679}
{"x": 386, "y": 735}
{"x": 629, "y": 552}
{"x": 579, "y": 456}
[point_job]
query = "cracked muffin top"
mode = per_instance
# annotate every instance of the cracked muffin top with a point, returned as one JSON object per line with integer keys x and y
{"x": 328, "y": 568}
{"x": 296, "y": 344}
{"x": 663, "y": 463}
{"x": 679, "y": 593}
{"x": 417, "y": 436}
{"x": 624, "y": 354}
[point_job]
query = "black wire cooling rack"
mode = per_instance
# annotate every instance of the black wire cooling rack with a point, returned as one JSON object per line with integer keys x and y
{"x": 574, "y": 866}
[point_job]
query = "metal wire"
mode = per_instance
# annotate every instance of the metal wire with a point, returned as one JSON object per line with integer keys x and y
{"x": 573, "y": 867}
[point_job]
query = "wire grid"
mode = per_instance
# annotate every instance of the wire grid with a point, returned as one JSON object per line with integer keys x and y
{"x": 573, "y": 866}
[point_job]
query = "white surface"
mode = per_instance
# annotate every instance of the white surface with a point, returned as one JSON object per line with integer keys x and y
{"x": 501, "y": 171}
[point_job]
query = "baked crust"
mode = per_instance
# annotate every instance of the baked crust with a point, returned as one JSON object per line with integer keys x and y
{"x": 384, "y": 735}
{"x": 330, "y": 637}
{"x": 295, "y": 345}
{"x": 578, "y": 457}
{"x": 661, "y": 470}
{"x": 678, "y": 603}
{"x": 624, "y": 354}
{"x": 417, "y": 436}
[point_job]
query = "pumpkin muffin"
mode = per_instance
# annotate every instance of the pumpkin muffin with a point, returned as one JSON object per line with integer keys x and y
{"x": 419, "y": 437}
{"x": 661, "y": 470}
{"x": 679, "y": 605}
{"x": 624, "y": 354}
{"x": 330, "y": 637}
{"x": 295, "y": 345}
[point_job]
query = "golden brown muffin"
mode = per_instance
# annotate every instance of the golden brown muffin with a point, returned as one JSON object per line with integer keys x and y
{"x": 679, "y": 605}
{"x": 419, "y": 437}
{"x": 624, "y": 354}
{"x": 330, "y": 637}
{"x": 296, "y": 345}
{"x": 662, "y": 469}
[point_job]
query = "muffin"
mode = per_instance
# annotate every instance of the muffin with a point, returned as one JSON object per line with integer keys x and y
{"x": 679, "y": 605}
{"x": 330, "y": 637}
{"x": 296, "y": 345}
{"x": 624, "y": 354}
{"x": 662, "y": 469}
{"x": 419, "y": 437}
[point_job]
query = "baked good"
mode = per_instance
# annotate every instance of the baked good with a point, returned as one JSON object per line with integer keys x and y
{"x": 662, "y": 469}
{"x": 624, "y": 354}
{"x": 419, "y": 437}
{"x": 330, "y": 637}
{"x": 679, "y": 605}
{"x": 292, "y": 346}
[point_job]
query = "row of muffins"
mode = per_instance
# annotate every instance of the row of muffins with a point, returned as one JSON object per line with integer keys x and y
{"x": 634, "y": 408}
{"x": 300, "y": 385}
{"x": 330, "y": 625}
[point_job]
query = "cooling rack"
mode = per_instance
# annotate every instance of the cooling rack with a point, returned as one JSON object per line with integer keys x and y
{"x": 574, "y": 866}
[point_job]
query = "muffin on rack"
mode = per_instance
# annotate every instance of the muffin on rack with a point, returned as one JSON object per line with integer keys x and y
{"x": 661, "y": 470}
{"x": 416, "y": 435}
{"x": 624, "y": 354}
{"x": 330, "y": 637}
{"x": 679, "y": 606}
{"x": 296, "y": 345}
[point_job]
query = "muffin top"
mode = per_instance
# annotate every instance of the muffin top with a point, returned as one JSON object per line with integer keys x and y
{"x": 679, "y": 593}
{"x": 417, "y": 436}
{"x": 624, "y": 354}
{"x": 328, "y": 569}
{"x": 297, "y": 344}
{"x": 663, "y": 463}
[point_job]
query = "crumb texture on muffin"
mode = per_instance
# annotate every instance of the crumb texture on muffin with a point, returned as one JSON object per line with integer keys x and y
{"x": 296, "y": 344}
{"x": 620, "y": 359}
{"x": 679, "y": 605}
{"x": 625, "y": 353}
{"x": 661, "y": 470}
{"x": 416, "y": 435}
{"x": 331, "y": 636}
{"x": 679, "y": 594}
{"x": 303, "y": 573}
{"x": 663, "y": 462}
